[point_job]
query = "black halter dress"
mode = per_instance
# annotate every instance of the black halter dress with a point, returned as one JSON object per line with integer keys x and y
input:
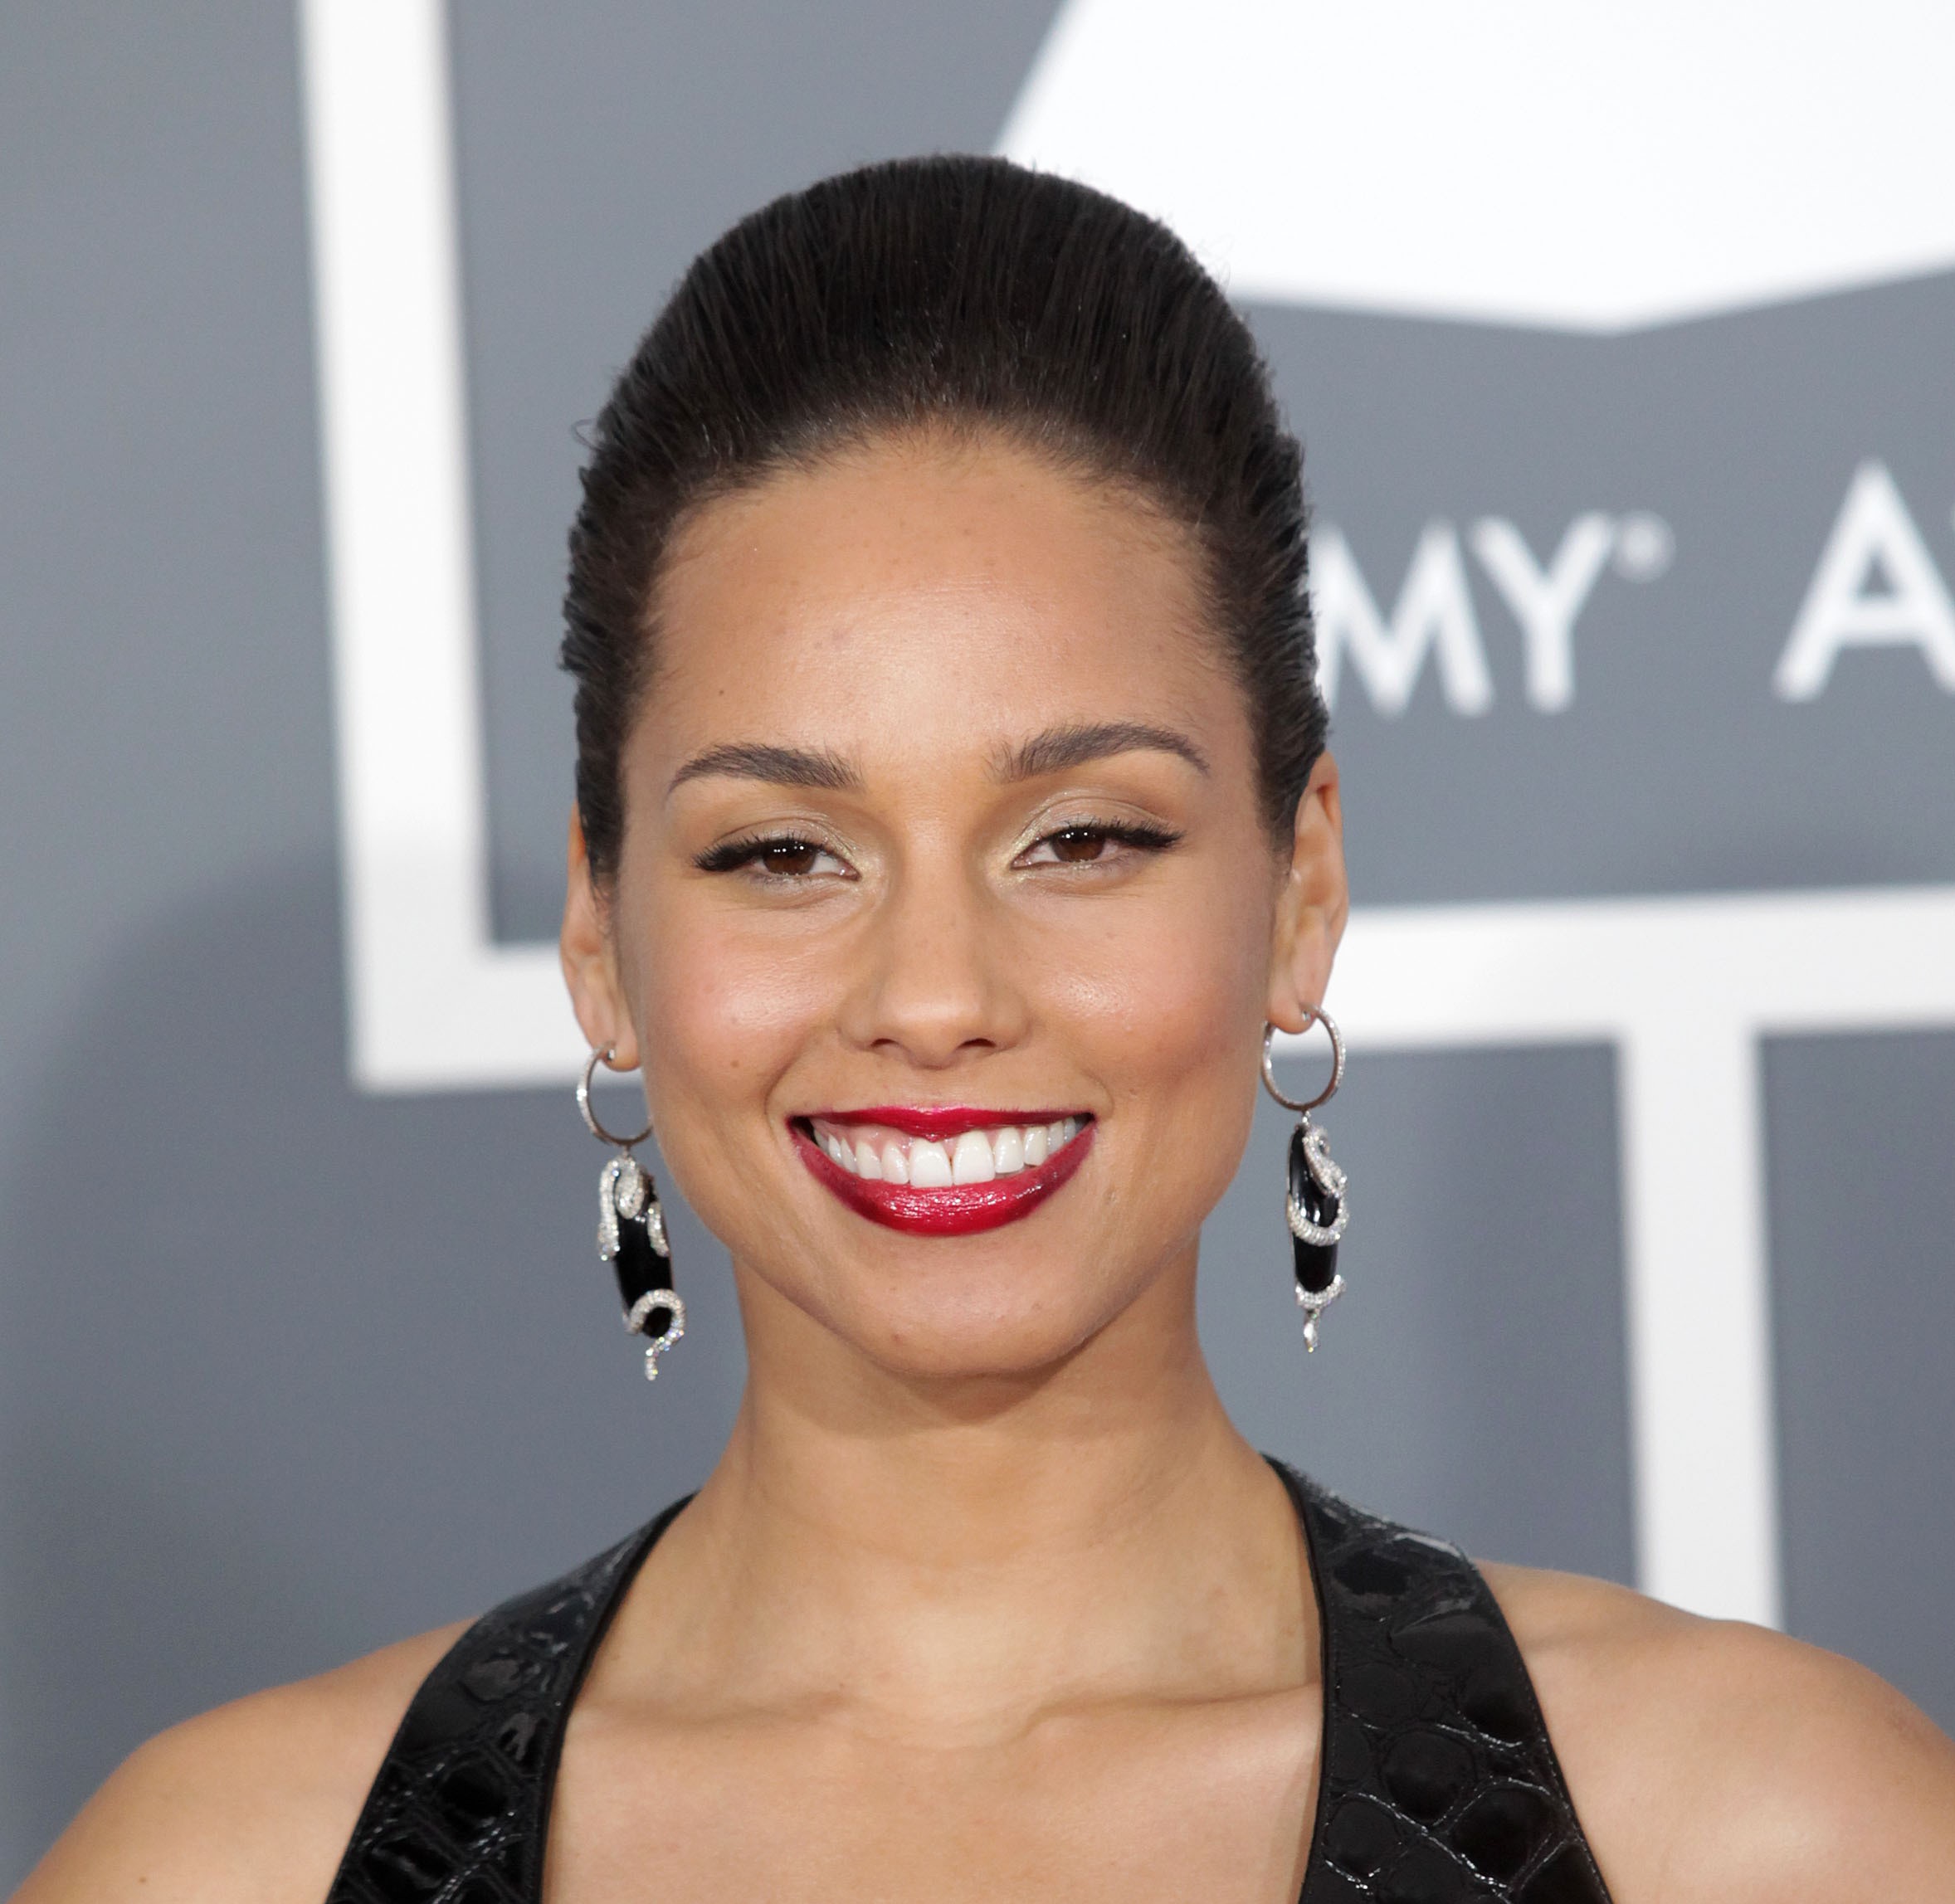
{"x": 1438, "y": 1784}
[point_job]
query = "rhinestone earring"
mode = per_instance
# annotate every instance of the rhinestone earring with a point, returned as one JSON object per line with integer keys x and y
{"x": 631, "y": 1233}
{"x": 1316, "y": 1206}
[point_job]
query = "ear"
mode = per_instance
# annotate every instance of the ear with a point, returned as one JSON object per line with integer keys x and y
{"x": 1312, "y": 905}
{"x": 590, "y": 959}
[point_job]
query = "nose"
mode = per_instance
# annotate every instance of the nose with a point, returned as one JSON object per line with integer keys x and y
{"x": 935, "y": 983}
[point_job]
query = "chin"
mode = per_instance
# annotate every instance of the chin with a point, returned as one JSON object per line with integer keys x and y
{"x": 1018, "y": 1350}
{"x": 963, "y": 1312}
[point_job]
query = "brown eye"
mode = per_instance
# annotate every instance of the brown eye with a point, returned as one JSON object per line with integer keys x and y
{"x": 789, "y": 857}
{"x": 784, "y": 858}
{"x": 1077, "y": 844}
{"x": 1095, "y": 843}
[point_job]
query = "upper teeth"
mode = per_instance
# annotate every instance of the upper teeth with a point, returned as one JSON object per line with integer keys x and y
{"x": 975, "y": 1156}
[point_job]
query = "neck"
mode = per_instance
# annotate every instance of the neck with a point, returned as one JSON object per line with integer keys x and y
{"x": 990, "y": 1543}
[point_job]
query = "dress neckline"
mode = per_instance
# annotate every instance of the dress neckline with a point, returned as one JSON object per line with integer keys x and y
{"x": 1436, "y": 1779}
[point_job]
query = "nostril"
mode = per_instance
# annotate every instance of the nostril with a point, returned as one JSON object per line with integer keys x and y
{"x": 916, "y": 1050}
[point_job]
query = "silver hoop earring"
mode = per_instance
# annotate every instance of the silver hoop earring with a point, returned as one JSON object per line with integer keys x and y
{"x": 631, "y": 1233}
{"x": 1317, "y": 1209}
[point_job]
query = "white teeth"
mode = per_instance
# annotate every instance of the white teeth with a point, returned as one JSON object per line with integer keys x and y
{"x": 838, "y": 1151}
{"x": 929, "y": 1166}
{"x": 971, "y": 1162}
{"x": 973, "y": 1157}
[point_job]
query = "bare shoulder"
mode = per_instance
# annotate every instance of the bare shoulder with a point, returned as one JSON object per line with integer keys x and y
{"x": 1709, "y": 1759}
{"x": 254, "y": 1801}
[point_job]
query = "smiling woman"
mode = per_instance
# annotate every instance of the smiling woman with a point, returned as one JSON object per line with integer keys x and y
{"x": 953, "y": 822}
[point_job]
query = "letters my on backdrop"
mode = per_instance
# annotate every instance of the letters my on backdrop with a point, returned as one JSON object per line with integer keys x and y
{"x": 1434, "y": 612}
{"x": 1876, "y": 585}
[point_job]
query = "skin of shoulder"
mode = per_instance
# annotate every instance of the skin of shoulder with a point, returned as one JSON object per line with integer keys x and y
{"x": 1714, "y": 1759}
{"x": 251, "y": 1804}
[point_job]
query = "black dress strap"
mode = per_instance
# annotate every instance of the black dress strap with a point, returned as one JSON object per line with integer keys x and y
{"x": 1438, "y": 1784}
{"x": 1438, "y": 1781}
{"x": 461, "y": 1806}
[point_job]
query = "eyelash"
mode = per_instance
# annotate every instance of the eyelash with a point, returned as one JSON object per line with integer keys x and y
{"x": 733, "y": 855}
{"x": 1136, "y": 834}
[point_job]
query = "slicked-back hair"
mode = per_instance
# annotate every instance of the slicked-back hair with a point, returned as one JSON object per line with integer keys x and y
{"x": 955, "y": 293}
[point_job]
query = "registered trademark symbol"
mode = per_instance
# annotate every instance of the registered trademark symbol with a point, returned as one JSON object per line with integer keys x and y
{"x": 1645, "y": 546}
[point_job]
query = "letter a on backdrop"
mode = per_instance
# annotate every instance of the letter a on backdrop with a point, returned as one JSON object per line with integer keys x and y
{"x": 1875, "y": 540}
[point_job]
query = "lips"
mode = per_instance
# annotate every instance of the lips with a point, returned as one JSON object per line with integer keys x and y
{"x": 943, "y": 1171}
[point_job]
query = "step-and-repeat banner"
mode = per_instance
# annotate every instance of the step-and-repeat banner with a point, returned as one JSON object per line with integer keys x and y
{"x": 1621, "y": 341}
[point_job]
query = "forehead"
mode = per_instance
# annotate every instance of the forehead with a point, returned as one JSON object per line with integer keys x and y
{"x": 917, "y": 596}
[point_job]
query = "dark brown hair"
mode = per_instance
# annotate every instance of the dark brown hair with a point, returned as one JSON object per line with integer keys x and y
{"x": 955, "y": 293}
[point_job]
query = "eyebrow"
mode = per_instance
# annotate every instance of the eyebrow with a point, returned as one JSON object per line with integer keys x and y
{"x": 1052, "y": 752}
{"x": 778, "y": 766}
{"x": 1058, "y": 748}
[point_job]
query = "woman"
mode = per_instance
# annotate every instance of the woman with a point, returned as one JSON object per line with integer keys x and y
{"x": 952, "y": 818}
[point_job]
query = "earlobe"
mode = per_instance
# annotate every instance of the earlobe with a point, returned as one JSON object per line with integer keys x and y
{"x": 1312, "y": 905}
{"x": 589, "y": 959}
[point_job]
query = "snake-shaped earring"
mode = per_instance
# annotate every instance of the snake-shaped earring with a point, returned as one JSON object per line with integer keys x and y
{"x": 1316, "y": 1206}
{"x": 631, "y": 1233}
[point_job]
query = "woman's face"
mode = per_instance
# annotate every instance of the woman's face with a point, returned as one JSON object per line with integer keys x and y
{"x": 947, "y": 918}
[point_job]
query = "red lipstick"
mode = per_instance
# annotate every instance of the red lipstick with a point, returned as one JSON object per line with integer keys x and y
{"x": 960, "y": 1209}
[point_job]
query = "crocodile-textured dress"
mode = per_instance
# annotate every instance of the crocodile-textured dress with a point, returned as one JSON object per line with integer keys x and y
{"x": 1438, "y": 1784}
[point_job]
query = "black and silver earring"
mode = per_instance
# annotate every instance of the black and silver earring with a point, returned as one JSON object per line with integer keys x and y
{"x": 631, "y": 1234}
{"x": 1316, "y": 1206}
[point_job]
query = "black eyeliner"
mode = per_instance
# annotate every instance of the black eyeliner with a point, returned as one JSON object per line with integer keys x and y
{"x": 1127, "y": 833}
{"x": 732, "y": 855}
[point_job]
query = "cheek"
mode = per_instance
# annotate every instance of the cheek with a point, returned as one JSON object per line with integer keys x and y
{"x": 722, "y": 1013}
{"x": 1171, "y": 1007}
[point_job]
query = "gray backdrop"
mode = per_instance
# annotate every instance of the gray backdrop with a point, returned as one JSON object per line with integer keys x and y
{"x": 289, "y": 1372}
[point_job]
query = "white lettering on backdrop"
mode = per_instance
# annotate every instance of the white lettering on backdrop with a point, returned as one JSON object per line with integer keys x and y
{"x": 1433, "y": 614}
{"x": 1546, "y": 601}
{"x": 1876, "y": 587}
